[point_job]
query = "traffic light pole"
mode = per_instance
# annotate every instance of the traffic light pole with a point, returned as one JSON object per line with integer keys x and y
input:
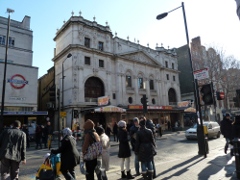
{"x": 200, "y": 131}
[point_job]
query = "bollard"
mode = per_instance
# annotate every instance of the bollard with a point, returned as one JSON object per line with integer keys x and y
{"x": 236, "y": 152}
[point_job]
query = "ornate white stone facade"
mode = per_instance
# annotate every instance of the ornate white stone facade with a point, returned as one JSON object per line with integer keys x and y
{"x": 121, "y": 57}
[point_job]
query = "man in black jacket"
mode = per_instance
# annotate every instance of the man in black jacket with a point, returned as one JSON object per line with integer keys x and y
{"x": 12, "y": 151}
{"x": 133, "y": 134}
{"x": 226, "y": 130}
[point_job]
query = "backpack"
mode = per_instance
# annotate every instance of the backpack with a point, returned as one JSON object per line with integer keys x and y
{"x": 94, "y": 150}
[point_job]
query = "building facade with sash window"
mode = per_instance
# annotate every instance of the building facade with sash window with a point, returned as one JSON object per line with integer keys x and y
{"x": 106, "y": 76}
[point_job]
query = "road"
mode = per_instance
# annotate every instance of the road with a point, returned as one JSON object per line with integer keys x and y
{"x": 169, "y": 147}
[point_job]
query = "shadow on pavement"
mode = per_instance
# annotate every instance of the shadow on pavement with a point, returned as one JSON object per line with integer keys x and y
{"x": 216, "y": 165}
{"x": 178, "y": 173}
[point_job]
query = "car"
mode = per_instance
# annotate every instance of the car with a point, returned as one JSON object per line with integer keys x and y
{"x": 213, "y": 130}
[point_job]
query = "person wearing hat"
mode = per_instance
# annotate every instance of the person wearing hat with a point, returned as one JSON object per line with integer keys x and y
{"x": 105, "y": 152}
{"x": 226, "y": 130}
{"x": 90, "y": 135}
{"x": 145, "y": 149}
{"x": 133, "y": 133}
{"x": 124, "y": 151}
{"x": 70, "y": 156}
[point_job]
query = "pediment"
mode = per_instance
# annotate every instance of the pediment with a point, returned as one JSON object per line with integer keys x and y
{"x": 140, "y": 57}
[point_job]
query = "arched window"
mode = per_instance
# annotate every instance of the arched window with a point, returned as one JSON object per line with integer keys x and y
{"x": 94, "y": 88}
{"x": 151, "y": 83}
{"x": 140, "y": 82}
{"x": 172, "y": 97}
{"x": 128, "y": 79}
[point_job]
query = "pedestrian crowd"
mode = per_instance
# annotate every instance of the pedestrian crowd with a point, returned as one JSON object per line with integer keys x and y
{"x": 136, "y": 139}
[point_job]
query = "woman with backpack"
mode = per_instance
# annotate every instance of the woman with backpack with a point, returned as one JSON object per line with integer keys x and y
{"x": 90, "y": 136}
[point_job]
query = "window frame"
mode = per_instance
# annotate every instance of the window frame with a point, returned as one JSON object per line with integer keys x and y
{"x": 128, "y": 81}
{"x": 87, "y": 58}
{"x": 140, "y": 83}
{"x": 151, "y": 84}
{"x": 167, "y": 76}
{"x": 87, "y": 42}
{"x": 101, "y": 63}
{"x": 100, "y": 45}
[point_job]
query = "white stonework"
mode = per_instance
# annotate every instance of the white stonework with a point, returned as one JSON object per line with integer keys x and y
{"x": 121, "y": 57}
{"x": 21, "y": 76}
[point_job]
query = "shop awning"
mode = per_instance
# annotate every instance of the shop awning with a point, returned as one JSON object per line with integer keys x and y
{"x": 190, "y": 110}
{"x": 109, "y": 109}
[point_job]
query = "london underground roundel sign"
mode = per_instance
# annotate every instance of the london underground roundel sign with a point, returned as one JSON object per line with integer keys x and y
{"x": 17, "y": 81}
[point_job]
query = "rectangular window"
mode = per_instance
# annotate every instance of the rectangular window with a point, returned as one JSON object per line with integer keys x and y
{"x": 100, "y": 46}
{"x": 101, "y": 63}
{"x": 114, "y": 96}
{"x": 11, "y": 41}
{"x": 140, "y": 83}
{"x": 167, "y": 75}
{"x": 151, "y": 84}
{"x": 172, "y": 65}
{"x": 166, "y": 64}
{"x": 87, "y": 42}
{"x": 2, "y": 40}
{"x": 174, "y": 78}
{"x": 128, "y": 81}
{"x": 87, "y": 60}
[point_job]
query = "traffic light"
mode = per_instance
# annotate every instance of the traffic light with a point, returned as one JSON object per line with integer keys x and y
{"x": 236, "y": 102}
{"x": 144, "y": 101}
{"x": 52, "y": 94}
{"x": 75, "y": 114}
{"x": 236, "y": 99}
{"x": 207, "y": 94}
{"x": 220, "y": 95}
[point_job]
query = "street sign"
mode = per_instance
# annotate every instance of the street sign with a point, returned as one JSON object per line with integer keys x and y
{"x": 201, "y": 74}
{"x": 63, "y": 113}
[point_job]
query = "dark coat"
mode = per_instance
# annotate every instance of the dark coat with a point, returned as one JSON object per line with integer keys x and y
{"x": 145, "y": 145}
{"x": 124, "y": 147}
{"x": 70, "y": 156}
{"x": 236, "y": 130}
{"x": 226, "y": 128}
{"x": 13, "y": 145}
{"x": 115, "y": 129}
{"x": 133, "y": 134}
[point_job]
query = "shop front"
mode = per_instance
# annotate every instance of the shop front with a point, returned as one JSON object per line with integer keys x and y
{"x": 104, "y": 115}
{"x": 167, "y": 116}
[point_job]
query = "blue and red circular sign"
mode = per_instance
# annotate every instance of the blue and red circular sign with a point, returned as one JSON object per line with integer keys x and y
{"x": 17, "y": 81}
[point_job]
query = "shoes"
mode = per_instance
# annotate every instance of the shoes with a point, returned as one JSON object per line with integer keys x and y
{"x": 137, "y": 174}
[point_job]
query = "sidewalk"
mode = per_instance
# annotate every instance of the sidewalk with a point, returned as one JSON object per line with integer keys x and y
{"x": 216, "y": 166}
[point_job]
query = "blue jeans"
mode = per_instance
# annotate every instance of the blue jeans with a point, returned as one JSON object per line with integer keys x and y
{"x": 147, "y": 166}
{"x": 136, "y": 163}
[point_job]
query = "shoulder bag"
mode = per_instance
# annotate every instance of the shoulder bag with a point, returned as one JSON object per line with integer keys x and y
{"x": 94, "y": 150}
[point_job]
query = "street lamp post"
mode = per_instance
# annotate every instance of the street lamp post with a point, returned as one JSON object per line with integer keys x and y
{"x": 60, "y": 105}
{"x": 68, "y": 56}
{"x": 9, "y": 11}
{"x": 195, "y": 84}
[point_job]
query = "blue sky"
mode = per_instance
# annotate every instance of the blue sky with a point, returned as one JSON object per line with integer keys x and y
{"x": 215, "y": 21}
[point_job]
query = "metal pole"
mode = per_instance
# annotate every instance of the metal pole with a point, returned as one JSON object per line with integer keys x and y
{"x": 196, "y": 94}
{"x": 5, "y": 70}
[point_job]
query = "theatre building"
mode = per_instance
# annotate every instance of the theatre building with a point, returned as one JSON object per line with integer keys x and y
{"x": 20, "y": 100}
{"x": 103, "y": 77}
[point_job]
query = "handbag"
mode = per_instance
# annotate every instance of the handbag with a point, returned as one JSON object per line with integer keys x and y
{"x": 94, "y": 150}
{"x": 47, "y": 174}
